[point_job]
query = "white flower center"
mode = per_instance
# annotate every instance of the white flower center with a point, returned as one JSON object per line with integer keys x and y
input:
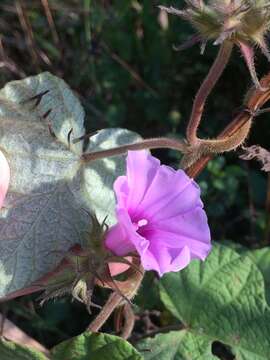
{"x": 142, "y": 222}
{"x": 139, "y": 224}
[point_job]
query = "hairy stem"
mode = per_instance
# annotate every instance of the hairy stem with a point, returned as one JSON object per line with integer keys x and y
{"x": 129, "y": 321}
{"x": 156, "y": 143}
{"x": 128, "y": 289}
{"x": 113, "y": 301}
{"x": 207, "y": 86}
{"x": 256, "y": 98}
{"x": 216, "y": 146}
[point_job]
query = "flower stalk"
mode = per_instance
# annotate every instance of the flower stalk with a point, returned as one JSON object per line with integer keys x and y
{"x": 155, "y": 143}
{"x": 128, "y": 288}
{"x": 112, "y": 303}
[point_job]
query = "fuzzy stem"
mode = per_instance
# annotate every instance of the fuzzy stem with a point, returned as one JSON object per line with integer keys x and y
{"x": 113, "y": 301}
{"x": 155, "y": 143}
{"x": 129, "y": 322}
{"x": 234, "y": 126}
{"x": 207, "y": 86}
{"x": 217, "y": 146}
{"x": 128, "y": 288}
{"x": 256, "y": 98}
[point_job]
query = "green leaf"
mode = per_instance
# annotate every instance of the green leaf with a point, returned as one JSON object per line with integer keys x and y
{"x": 50, "y": 185}
{"x": 148, "y": 295}
{"x": 10, "y": 350}
{"x": 176, "y": 345}
{"x": 96, "y": 346}
{"x": 261, "y": 257}
{"x": 222, "y": 299}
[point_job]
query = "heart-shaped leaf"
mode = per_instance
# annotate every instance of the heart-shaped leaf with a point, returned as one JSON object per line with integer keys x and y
{"x": 51, "y": 185}
{"x": 223, "y": 300}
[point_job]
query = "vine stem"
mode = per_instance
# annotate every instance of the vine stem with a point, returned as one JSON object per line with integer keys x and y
{"x": 129, "y": 321}
{"x": 255, "y": 100}
{"x": 113, "y": 301}
{"x": 128, "y": 288}
{"x": 205, "y": 89}
{"x": 155, "y": 143}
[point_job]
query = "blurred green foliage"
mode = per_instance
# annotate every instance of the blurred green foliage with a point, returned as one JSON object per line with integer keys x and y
{"x": 119, "y": 57}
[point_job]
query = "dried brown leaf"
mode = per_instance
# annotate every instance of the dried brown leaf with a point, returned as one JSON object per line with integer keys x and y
{"x": 258, "y": 153}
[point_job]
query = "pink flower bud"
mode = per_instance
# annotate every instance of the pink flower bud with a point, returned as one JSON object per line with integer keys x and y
{"x": 4, "y": 177}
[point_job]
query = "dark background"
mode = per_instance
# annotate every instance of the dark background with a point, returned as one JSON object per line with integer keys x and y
{"x": 118, "y": 56}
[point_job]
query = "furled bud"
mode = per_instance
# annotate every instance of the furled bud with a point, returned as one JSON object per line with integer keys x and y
{"x": 244, "y": 22}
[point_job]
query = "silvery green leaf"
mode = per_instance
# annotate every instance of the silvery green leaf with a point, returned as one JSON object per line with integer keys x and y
{"x": 56, "y": 100}
{"x": 50, "y": 184}
{"x": 100, "y": 175}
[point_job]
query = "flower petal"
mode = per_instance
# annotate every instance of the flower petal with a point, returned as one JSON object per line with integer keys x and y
{"x": 192, "y": 225}
{"x": 199, "y": 249}
{"x": 170, "y": 193}
{"x": 122, "y": 238}
{"x": 141, "y": 170}
{"x": 164, "y": 259}
{"x": 117, "y": 240}
{"x": 121, "y": 190}
{"x": 179, "y": 259}
{"x": 4, "y": 177}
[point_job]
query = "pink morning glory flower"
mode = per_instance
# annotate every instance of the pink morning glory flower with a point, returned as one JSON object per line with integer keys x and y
{"x": 160, "y": 215}
{"x": 4, "y": 177}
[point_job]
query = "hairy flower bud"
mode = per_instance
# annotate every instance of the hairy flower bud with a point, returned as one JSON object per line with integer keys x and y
{"x": 84, "y": 267}
{"x": 244, "y": 22}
